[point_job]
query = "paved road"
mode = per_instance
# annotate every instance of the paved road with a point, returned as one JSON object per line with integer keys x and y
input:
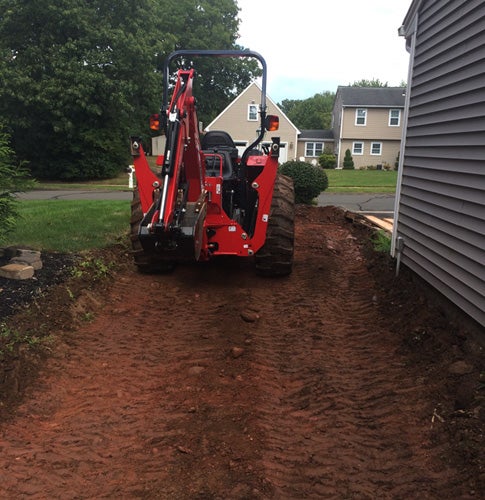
{"x": 381, "y": 204}
{"x": 74, "y": 194}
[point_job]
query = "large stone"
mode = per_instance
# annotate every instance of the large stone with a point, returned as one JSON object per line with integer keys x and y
{"x": 17, "y": 271}
{"x": 29, "y": 257}
{"x": 28, "y": 261}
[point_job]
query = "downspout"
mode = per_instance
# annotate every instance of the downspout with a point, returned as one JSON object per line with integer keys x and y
{"x": 397, "y": 242}
{"x": 340, "y": 135}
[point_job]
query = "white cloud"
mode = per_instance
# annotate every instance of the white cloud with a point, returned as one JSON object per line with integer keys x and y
{"x": 312, "y": 46}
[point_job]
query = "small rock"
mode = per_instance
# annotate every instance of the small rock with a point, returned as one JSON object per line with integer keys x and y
{"x": 249, "y": 316}
{"x": 196, "y": 370}
{"x": 237, "y": 352}
{"x": 460, "y": 368}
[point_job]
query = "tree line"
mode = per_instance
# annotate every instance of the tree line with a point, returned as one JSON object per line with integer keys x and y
{"x": 78, "y": 78}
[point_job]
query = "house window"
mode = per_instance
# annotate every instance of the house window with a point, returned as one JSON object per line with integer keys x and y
{"x": 358, "y": 148}
{"x": 252, "y": 112}
{"x": 313, "y": 148}
{"x": 376, "y": 148}
{"x": 360, "y": 116}
{"x": 394, "y": 117}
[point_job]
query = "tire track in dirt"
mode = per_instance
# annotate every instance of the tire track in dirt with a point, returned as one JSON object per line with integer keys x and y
{"x": 171, "y": 393}
{"x": 146, "y": 393}
{"x": 335, "y": 402}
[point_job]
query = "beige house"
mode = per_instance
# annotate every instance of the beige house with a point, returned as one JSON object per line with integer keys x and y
{"x": 312, "y": 143}
{"x": 368, "y": 122}
{"x": 241, "y": 120}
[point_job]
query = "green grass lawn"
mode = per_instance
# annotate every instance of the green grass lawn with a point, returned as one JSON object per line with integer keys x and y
{"x": 69, "y": 226}
{"x": 361, "y": 181}
{"x": 340, "y": 181}
{"x": 117, "y": 183}
{"x": 72, "y": 226}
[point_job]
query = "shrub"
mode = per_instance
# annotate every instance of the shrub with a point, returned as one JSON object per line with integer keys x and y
{"x": 381, "y": 242}
{"x": 309, "y": 180}
{"x": 13, "y": 178}
{"x": 348, "y": 160}
{"x": 327, "y": 160}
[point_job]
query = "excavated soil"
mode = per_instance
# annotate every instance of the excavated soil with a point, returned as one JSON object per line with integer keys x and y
{"x": 340, "y": 381}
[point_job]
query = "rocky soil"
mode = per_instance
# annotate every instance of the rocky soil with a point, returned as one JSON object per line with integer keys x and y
{"x": 340, "y": 381}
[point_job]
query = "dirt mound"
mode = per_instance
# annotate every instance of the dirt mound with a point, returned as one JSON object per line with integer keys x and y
{"x": 340, "y": 381}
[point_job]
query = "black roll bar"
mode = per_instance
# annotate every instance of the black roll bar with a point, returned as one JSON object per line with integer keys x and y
{"x": 216, "y": 53}
{"x": 213, "y": 53}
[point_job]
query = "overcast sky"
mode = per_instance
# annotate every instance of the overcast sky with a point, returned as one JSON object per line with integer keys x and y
{"x": 311, "y": 46}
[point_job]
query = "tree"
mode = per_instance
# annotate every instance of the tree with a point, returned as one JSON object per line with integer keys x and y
{"x": 78, "y": 78}
{"x": 312, "y": 113}
{"x": 348, "y": 160}
{"x": 210, "y": 24}
{"x": 375, "y": 82}
{"x": 13, "y": 178}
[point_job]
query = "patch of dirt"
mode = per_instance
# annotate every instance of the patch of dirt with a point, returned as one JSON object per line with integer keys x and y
{"x": 340, "y": 381}
{"x": 16, "y": 294}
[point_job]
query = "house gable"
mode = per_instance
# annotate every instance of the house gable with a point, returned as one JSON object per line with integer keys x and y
{"x": 236, "y": 120}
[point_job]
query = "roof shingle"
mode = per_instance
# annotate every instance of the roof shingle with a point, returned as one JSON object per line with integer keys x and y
{"x": 372, "y": 96}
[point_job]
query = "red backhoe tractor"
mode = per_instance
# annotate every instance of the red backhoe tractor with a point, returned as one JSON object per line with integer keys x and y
{"x": 207, "y": 200}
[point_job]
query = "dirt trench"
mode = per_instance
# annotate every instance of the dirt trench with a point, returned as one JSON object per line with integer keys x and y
{"x": 213, "y": 383}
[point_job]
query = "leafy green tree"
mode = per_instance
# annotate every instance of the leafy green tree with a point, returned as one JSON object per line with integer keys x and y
{"x": 375, "y": 82}
{"x": 210, "y": 24}
{"x": 13, "y": 178}
{"x": 312, "y": 113}
{"x": 78, "y": 78}
{"x": 348, "y": 160}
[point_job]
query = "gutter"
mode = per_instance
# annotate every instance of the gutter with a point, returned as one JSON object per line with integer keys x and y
{"x": 397, "y": 242}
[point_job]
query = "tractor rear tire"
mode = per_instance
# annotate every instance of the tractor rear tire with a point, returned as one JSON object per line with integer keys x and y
{"x": 275, "y": 258}
{"x": 146, "y": 262}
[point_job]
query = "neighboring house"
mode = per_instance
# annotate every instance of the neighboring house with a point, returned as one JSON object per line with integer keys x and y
{"x": 439, "y": 229}
{"x": 368, "y": 122}
{"x": 312, "y": 143}
{"x": 241, "y": 120}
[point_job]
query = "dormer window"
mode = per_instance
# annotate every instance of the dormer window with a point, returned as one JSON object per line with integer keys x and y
{"x": 252, "y": 113}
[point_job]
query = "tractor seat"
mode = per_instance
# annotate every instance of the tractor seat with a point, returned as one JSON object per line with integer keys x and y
{"x": 214, "y": 160}
{"x": 220, "y": 141}
{"x": 217, "y": 139}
